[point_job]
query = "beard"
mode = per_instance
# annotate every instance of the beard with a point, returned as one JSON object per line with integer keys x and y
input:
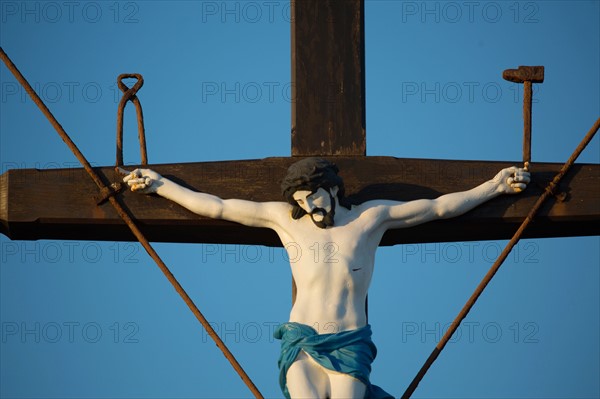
{"x": 327, "y": 218}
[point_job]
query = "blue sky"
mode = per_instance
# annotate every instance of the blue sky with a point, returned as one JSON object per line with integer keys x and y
{"x": 98, "y": 320}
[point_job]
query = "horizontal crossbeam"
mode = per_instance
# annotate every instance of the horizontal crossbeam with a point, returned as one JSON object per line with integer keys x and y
{"x": 62, "y": 203}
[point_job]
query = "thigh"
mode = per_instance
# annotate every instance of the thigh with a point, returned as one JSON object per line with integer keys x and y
{"x": 344, "y": 386}
{"x": 306, "y": 379}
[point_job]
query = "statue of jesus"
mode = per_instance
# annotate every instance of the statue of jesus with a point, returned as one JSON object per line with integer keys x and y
{"x": 326, "y": 349}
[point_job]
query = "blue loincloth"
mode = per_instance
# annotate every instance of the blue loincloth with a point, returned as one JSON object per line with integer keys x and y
{"x": 348, "y": 352}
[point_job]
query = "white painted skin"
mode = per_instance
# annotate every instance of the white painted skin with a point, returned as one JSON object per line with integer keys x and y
{"x": 332, "y": 266}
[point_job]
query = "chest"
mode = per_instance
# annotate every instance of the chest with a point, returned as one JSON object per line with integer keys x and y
{"x": 348, "y": 244}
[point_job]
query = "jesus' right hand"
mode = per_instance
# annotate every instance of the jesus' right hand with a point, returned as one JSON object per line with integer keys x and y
{"x": 145, "y": 181}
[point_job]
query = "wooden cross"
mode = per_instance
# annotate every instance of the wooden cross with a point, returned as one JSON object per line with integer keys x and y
{"x": 328, "y": 119}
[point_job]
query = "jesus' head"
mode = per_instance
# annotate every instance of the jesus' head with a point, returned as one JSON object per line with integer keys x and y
{"x": 311, "y": 186}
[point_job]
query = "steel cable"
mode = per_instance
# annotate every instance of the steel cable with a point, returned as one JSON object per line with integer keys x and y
{"x": 121, "y": 211}
{"x": 490, "y": 274}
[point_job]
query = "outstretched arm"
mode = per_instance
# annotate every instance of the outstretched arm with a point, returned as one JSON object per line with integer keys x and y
{"x": 249, "y": 213}
{"x": 511, "y": 180}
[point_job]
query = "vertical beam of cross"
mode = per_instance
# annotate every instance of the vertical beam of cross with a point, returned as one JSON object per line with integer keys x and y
{"x": 328, "y": 78}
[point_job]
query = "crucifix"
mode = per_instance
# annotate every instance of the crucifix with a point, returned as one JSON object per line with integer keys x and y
{"x": 328, "y": 120}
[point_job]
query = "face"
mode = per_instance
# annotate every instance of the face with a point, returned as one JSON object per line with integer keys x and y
{"x": 319, "y": 205}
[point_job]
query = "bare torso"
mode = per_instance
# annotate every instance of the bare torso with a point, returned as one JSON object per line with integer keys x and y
{"x": 332, "y": 269}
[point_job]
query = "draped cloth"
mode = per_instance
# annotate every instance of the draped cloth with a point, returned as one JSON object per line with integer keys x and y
{"x": 348, "y": 352}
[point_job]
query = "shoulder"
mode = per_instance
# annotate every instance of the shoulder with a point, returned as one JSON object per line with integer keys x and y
{"x": 278, "y": 211}
{"x": 257, "y": 214}
{"x": 269, "y": 208}
{"x": 276, "y": 206}
{"x": 375, "y": 211}
{"x": 384, "y": 211}
{"x": 376, "y": 206}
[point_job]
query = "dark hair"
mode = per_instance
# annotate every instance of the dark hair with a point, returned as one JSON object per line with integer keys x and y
{"x": 311, "y": 174}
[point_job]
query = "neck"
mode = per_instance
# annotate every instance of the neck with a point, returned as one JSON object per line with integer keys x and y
{"x": 338, "y": 207}
{"x": 340, "y": 211}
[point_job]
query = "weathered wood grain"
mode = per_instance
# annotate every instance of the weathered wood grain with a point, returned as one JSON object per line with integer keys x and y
{"x": 60, "y": 203}
{"x": 328, "y": 78}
